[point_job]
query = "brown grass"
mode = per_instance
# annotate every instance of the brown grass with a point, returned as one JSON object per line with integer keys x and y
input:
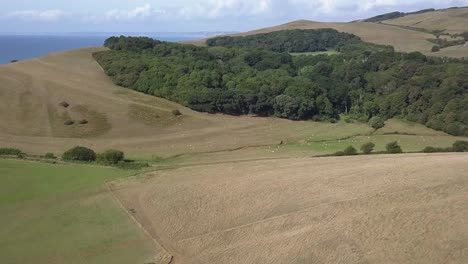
{"x": 449, "y": 21}
{"x": 368, "y": 209}
{"x": 406, "y": 34}
{"x": 32, "y": 119}
{"x": 402, "y": 39}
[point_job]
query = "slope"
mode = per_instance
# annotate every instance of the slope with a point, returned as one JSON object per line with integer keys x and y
{"x": 452, "y": 21}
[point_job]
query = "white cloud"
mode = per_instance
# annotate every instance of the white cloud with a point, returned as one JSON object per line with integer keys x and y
{"x": 37, "y": 15}
{"x": 140, "y": 12}
{"x": 221, "y": 8}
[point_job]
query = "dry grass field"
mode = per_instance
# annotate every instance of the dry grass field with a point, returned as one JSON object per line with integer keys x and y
{"x": 451, "y": 21}
{"x": 406, "y": 34}
{"x": 141, "y": 125}
{"x": 144, "y": 127}
{"x": 402, "y": 39}
{"x": 365, "y": 209}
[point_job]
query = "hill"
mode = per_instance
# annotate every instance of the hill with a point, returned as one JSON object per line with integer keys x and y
{"x": 408, "y": 32}
{"x": 404, "y": 40}
{"x": 451, "y": 21}
{"x": 144, "y": 127}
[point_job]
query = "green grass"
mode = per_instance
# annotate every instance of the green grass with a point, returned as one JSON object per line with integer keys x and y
{"x": 64, "y": 214}
{"x": 328, "y": 52}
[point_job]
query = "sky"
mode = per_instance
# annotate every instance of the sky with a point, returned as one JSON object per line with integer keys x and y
{"x": 190, "y": 15}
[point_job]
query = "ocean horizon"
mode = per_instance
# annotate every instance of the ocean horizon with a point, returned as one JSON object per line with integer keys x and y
{"x": 23, "y": 46}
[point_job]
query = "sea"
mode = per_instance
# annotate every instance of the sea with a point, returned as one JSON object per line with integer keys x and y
{"x": 28, "y": 46}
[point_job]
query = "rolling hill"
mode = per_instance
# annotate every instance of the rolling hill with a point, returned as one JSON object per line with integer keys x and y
{"x": 143, "y": 126}
{"x": 408, "y": 33}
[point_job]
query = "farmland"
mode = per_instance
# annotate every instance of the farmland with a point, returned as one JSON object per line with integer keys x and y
{"x": 65, "y": 214}
{"x": 404, "y": 209}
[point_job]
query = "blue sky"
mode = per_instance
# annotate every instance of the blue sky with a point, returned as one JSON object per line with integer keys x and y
{"x": 189, "y": 15}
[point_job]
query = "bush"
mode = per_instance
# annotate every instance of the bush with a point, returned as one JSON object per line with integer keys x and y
{"x": 460, "y": 146}
{"x": 350, "y": 151}
{"x": 368, "y": 147}
{"x": 376, "y": 122}
{"x": 132, "y": 165}
{"x": 435, "y": 48}
{"x": 110, "y": 157}
{"x": 83, "y": 122}
{"x": 176, "y": 112}
{"x": 64, "y": 104}
{"x": 79, "y": 154}
{"x": 50, "y": 156}
{"x": 339, "y": 153}
{"x": 10, "y": 152}
{"x": 394, "y": 148}
{"x": 69, "y": 122}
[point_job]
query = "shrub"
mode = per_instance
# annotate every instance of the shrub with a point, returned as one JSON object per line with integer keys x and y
{"x": 132, "y": 165}
{"x": 368, "y": 147}
{"x": 69, "y": 122}
{"x": 10, "y": 152}
{"x": 64, "y": 104}
{"x": 430, "y": 149}
{"x": 393, "y": 148}
{"x": 50, "y": 156}
{"x": 460, "y": 146}
{"x": 176, "y": 112}
{"x": 111, "y": 157}
{"x": 339, "y": 153}
{"x": 435, "y": 48}
{"x": 79, "y": 154}
{"x": 376, "y": 122}
{"x": 350, "y": 151}
{"x": 83, "y": 122}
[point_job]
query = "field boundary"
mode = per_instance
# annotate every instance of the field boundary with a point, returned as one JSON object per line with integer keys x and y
{"x": 158, "y": 245}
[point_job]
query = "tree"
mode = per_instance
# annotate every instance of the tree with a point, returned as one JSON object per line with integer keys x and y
{"x": 393, "y": 148}
{"x": 350, "y": 151}
{"x": 110, "y": 157}
{"x": 79, "y": 154}
{"x": 376, "y": 122}
{"x": 460, "y": 146}
{"x": 435, "y": 48}
{"x": 367, "y": 147}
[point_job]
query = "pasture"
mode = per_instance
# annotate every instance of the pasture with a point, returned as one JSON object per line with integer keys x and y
{"x": 65, "y": 214}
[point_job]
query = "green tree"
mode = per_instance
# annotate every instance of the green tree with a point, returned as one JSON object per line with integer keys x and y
{"x": 460, "y": 146}
{"x": 350, "y": 151}
{"x": 79, "y": 154}
{"x": 111, "y": 156}
{"x": 376, "y": 122}
{"x": 393, "y": 148}
{"x": 367, "y": 147}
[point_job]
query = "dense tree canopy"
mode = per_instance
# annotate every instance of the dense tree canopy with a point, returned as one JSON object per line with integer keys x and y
{"x": 363, "y": 81}
{"x": 297, "y": 40}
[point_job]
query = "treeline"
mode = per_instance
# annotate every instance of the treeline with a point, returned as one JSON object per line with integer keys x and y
{"x": 394, "y": 15}
{"x": 362, "y": 84}
{"x": 297, "y": 40}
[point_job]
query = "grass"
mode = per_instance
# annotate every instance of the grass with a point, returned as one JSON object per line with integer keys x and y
{"x": 64, "y": 214}
{"x": 328, "y": 52}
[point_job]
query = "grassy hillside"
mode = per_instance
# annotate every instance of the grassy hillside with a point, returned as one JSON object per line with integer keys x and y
{"x": 54, "y": 214}
{"x": 402, "y": 39}
{"x": 447, "y": 21}
{"x": 143, "y": 125}
{"x": 408, "y": 33}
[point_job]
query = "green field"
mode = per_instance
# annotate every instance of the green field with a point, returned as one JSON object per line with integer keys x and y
{"x": 64, "y": 214}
